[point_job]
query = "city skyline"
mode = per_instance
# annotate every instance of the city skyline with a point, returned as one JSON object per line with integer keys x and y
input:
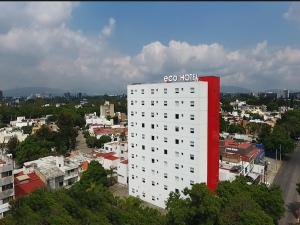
{"x": 101, "y": 47}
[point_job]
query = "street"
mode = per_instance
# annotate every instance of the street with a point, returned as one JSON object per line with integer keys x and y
{"x": 81, "y": 145}
{"x": 287, "y": 178}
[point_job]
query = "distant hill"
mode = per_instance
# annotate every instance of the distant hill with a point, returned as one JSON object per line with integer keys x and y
{"x": 234, "y": 89}
{"x": 26, "y": 91}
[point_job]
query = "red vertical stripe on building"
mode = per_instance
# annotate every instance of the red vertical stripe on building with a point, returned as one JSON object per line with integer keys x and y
{"x": 213, "y": 130}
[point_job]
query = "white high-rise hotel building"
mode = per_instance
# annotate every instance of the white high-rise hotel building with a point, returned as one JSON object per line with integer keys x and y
{"x": 173, "y": 137}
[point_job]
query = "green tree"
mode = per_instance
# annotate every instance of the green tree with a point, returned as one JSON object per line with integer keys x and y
{"x": 12, "y": 146}
{"x": 27, "y": 129}
{"x": 279, "y": 138}
{"x": 199, "y": 206}
{"x": 236, "y": 128}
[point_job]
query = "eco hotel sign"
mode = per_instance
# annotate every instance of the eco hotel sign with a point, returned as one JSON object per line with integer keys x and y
{"x": 183, "y": 77}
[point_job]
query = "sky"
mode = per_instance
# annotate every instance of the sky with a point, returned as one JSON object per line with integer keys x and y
{"x": 100, "y": 47}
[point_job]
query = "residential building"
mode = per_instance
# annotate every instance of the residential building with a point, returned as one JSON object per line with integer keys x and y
{"x": 241, "y": 158}
{"x": 1, "y": 95}
{"x": 173, "y": 137}
{"x": 7, "y": 184}
{"x": 7, "y": 133}
{"x": 122, "y": 171}
{"x": 107, "y": 109}
{"x": 55, "y": 171}
{"x": 27, "y": 183}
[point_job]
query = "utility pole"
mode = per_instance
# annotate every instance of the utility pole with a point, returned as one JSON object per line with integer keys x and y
{"x": 276, "y": 160}
{"x": 280, "y": 152}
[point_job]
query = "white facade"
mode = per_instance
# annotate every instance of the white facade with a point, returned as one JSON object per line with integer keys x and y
{"x": 94, "y": 119}
{"x": 167, "y": 138}
{"x": 7, "y": 184}
{"x": 122, "y": 171}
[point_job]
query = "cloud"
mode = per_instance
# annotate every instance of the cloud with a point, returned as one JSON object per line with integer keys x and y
{"x": 109, "y": 28}
{"x": 293, "y": 13}
{"x": 34, "y": 14}
{"x": 41, "y": 50}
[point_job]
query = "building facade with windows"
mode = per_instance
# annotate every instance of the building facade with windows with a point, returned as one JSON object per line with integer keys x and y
{"x": 7, "y": 184}
{"x": 173, "y": 134}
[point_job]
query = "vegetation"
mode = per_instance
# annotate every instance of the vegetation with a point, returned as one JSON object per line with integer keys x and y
{"x": 12, "y": 146}
{"x": 93, "y": 142}
{"x": 36, "y": 108}
{"x": 90, "y": 202}
{"x": 236, "y": 128}
{"x": 46, "y": 142}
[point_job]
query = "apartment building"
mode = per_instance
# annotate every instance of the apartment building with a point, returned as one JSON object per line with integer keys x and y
{"x": 173, "y": 137}
{"x": 55, "y": 171}
{"x": 107, "y": 109}
{"x": 7, "y": 184}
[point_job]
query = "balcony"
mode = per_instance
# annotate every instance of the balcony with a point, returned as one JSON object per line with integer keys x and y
{"x": 7, "y": 193}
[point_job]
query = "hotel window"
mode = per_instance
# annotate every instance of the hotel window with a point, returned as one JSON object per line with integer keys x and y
{"x": 165, "y": 139}
{"x": 176, "y": 116}
{"x": 132, "y": 166}
{"x": 165, "y": 90}
{"x": 192, "y": 103}
{"x": 152, "y": 149}
{"x": 143, "y": 102}
{"x": 191, "y": 182}
{"x": 152, "y": 126}
{"x": 176, "y": 129}
{"x": 165, "y": 127}
{"x": 143, "y": 169}
{"x": 165, "y": 175}
{"x": 177, "y": 179}
{"x": 192, "y": 117}
{"x": 131, "y": 102}
{"x": 152, "y": 91}
{"x": 165, "y": 151}
{"x": 192, "y": 156}
{"x": 143, "y": 194}
{"x": 153, "y": 183}
{"x": 143, "y": 136}
{"x": 143, "y": 147}
{"x": 152, "y": 103}
{"x": 165, "y": 187}
{"x": 176, "y": 141}
{"x": 177, "y": 154}
{"x": 153, "y": 198}
{"x": 132, "y": 124}
{"x": 192, "y": 90}
{"x": 132, "y": 134}
{"x": 192, "y": 144}
{"x": 143, "y": 114}
{"x": 132, "y": 113}
{"x": 177, "y": 103}
{"x": 191, "y": 169}
{"x": 176, "y": 166}
{"x": 176, "y": 90}
{"x": 152, "y": 114}
{"x": 165, "y": 103}
{"x": 153, "y": 172}
{"x": 165, "y": 163}
{"x": 142, "y": 91}
{"x": 143, "y": 124}
{"x": 153, "y": 160}
{"x": 192, "y": 130}
{"x": 143, "y": 158}
{"x": 165, "y": 115}
{"x": 152, "y": 138}
{"x": 143, "y": 180}
{"x": 131, "y": 91}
